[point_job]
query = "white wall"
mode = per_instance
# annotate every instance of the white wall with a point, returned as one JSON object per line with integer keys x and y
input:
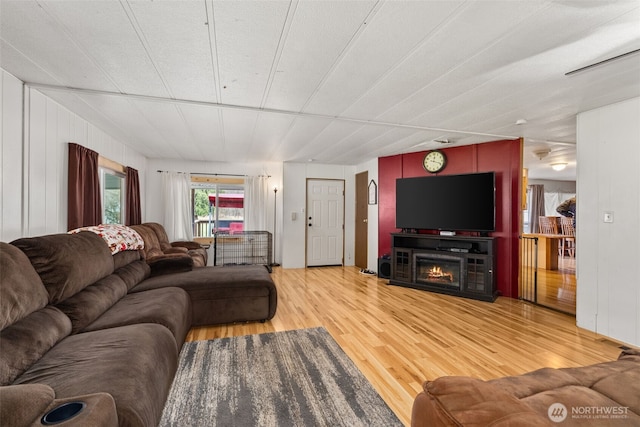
{"x": 294, "y": 186}
{"x": 372, "y": 225}
{"x": 272, "y": 169}
{"x": 10, "y": 158}
{"x": 608, "y": 180}
{"x": 34, "y": 165}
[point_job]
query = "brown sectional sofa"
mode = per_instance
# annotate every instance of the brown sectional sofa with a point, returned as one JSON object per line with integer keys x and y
{"x": 78, "y": 324}
{"x": 604, "y": 394}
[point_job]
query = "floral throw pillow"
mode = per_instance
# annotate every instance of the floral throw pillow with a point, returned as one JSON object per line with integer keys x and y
{"x": 118, "y": 237}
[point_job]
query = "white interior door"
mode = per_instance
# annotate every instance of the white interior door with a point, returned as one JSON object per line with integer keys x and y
{"x": 325, "y": 222}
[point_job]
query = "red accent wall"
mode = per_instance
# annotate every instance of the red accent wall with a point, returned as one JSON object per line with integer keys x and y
{"x": 502, "y": 157}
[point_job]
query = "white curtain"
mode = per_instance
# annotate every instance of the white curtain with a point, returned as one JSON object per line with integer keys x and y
{"x": 553, "y": 200}
{"x": 255, "y": 203}
{"x": 178, "y": 215}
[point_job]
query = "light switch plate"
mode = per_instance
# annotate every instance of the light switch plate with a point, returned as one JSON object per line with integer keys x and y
{"x": 608, "y": 217}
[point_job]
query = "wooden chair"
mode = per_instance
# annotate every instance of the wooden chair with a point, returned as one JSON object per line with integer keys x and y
{"x": 548, "y": 225}
{"x": 569, "y": 242}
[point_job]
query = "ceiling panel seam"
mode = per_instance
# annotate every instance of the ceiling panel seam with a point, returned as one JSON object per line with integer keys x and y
{"x": 374, "y": 10}
{"x": 282, "y": 41}
{"x": 215, "y": 66}
{"x": 222, "y": 107}
{"x": 126, "y": 7}
{"x": 514, "y": 27}
{"x": 409, "y": 54}
{"x": 441, "y": 27}
{"x": 406, "y": 57}
{"x": 213, "y": 46}
{"x": 76, "y": 43}
{"x": 36, "y": 65}
{"x": 343, "y": 53}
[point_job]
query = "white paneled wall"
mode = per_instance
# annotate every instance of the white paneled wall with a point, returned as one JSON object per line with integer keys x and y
{"x": 608, "y": 284}
{"x": 294, "y": 186}
{"x": 10, "y": 158}
{"x": 34, "y": 167}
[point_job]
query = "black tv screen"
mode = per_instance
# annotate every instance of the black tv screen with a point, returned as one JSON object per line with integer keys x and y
{"x": 447, "y": 202}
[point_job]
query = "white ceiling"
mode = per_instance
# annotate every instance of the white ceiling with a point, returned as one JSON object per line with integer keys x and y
{"x": 334, "y": 81}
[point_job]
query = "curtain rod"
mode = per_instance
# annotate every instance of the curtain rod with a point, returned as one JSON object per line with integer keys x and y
{"x": 217, "y": 174}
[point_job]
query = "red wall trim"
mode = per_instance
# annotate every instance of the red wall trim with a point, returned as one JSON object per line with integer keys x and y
{"x": 502, "y": 157}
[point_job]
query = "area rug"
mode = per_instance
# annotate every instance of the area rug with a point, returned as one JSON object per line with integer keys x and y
{"x": 293, "y": 378}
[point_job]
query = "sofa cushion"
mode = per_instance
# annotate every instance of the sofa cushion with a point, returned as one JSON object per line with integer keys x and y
{"x": 27, "y": 340}
{"x": 169, "y": 307}
{"x": 125, "y": 257}
{"x": 67, "y": 263}
{"x": 22, "y": 291}
{"x": 151, "y": 245}
{"x": 133, "y": 273}
{"x": 584, "y": 404}
{"x": 135, "y": 364}
{"x": 91, "y": 302}
{"x": 223, "y": 294}
{"x": 464, "y": 401}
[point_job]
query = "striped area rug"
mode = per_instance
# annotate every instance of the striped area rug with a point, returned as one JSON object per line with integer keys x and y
{"x": 293, "y": 378}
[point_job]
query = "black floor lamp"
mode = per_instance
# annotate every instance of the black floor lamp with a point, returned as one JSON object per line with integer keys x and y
{"x": 275, "y": 208}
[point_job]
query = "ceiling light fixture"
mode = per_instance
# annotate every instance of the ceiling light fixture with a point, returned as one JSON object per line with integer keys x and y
{"x": 541, "y": 154}
{"x": 558, "y": 166}
{"x": 521, "y": 122}
{"x": 442, "y": 141}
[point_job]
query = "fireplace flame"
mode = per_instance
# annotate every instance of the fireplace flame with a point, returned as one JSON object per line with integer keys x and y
{"x": 436, "y": 273}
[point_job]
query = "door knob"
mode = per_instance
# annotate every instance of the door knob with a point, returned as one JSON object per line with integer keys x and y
{"x": 365, "y": 220}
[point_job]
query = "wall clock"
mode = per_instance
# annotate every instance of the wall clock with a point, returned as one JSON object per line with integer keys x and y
{"x": 434, "y": 161}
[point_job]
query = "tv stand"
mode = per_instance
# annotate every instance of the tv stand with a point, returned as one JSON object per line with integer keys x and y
{"x": 454, "y": 265}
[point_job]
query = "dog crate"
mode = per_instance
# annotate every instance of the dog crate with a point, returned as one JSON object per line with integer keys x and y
{"x": 242, "y": 248}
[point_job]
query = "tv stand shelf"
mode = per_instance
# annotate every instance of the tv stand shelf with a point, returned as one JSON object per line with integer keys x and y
{"x": 454, "y": 265}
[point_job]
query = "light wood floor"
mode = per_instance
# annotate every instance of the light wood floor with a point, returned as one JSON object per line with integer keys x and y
{"x": 400, "y": 337}
{"x": 557, "y": 288}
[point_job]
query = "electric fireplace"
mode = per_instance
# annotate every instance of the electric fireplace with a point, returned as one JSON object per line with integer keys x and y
{"x": 453, "y": 265}
{"x": 439, "y": 269}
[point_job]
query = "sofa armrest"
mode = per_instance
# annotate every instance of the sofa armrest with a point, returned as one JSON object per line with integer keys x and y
{"x": 28, "y": 404}
{"x": 465, "y": 401}
{"x": 22, "y": 405}
{"x": 170, "y": 263}
{"x": 176, "y": 250}
{"x": 186, "y": 244}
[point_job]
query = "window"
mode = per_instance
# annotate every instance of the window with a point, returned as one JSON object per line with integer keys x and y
{"x": 218, "y": 206}
{"x": 113, "y": 196}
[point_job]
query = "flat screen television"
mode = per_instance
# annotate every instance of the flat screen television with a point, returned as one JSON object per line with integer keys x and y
{"x": 447, "y": 202}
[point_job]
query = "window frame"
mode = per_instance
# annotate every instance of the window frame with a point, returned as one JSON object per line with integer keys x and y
{"x": 109, "y": 167}
{"x": 217, "y": 183}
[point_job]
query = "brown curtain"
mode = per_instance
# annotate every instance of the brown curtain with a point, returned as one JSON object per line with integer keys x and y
{"x": 536, "y": 207}
{"x": 84, "y": 205}
{"x": 133, "y": 211}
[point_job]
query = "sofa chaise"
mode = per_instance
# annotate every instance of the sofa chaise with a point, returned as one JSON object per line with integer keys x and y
{"x": 604, "y": 394}
{"x": 82, "y": 327}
